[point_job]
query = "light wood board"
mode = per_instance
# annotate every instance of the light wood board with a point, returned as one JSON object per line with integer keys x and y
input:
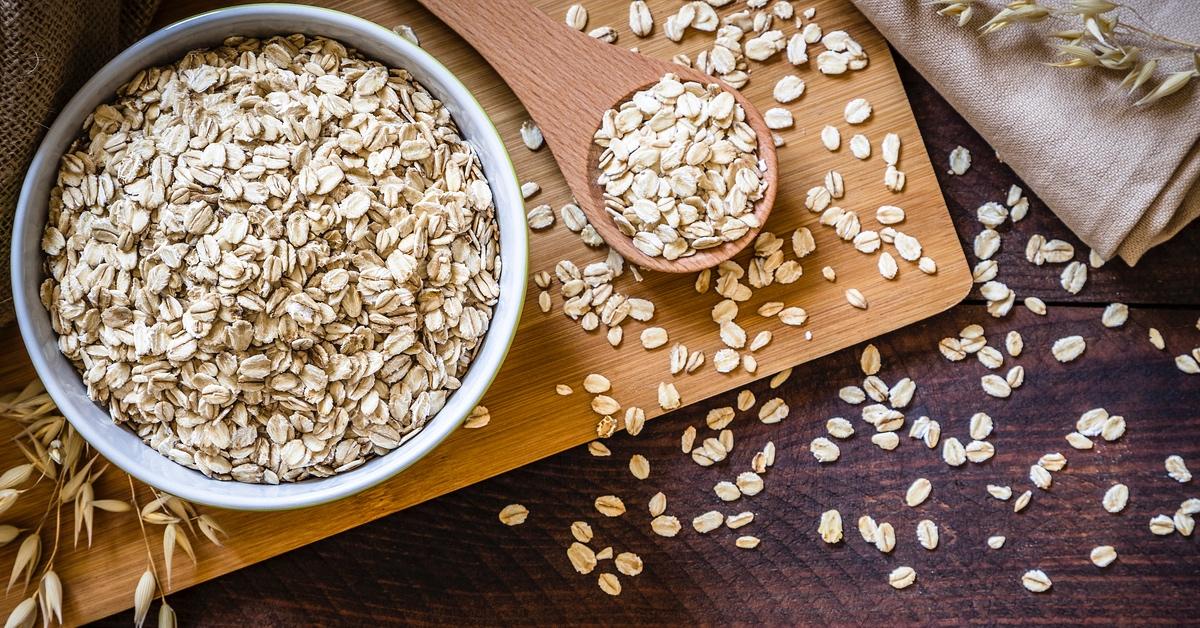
{"x": 529, "y": 421}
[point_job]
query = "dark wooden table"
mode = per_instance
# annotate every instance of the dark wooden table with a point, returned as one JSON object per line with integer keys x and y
{"x": 451, "y": 561}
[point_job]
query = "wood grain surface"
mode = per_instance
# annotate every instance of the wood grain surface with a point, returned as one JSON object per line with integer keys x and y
{"x": 529, "y": 421}
{"x": 449, "y": 561}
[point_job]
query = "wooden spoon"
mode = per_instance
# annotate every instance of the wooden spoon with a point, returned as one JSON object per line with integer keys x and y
{"x": 567, "y": 80}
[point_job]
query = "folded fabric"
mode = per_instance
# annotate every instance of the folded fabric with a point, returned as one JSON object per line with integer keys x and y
{"x": 1123, "y": 178}
{"x": 50, "y": 50}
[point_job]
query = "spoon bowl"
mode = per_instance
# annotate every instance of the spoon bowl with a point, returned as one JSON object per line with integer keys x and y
{"x": 567, "y": 80}
{"x": 701, "y": 259}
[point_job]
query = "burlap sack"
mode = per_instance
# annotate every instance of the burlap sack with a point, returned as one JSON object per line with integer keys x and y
{"x": 51, "y": 47}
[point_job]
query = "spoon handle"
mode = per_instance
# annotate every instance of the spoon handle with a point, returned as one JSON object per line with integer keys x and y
{"x": 558, "y": 73}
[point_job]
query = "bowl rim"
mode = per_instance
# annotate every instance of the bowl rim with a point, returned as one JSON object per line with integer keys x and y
{"x": 416, "y": 445}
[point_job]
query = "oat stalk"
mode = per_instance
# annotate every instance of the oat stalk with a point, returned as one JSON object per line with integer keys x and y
{"x": 54, "y": 450}
{"x": 1093, "y": 36}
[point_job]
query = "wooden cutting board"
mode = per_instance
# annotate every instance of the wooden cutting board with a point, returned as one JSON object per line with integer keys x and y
{"x": 529, "y": 421}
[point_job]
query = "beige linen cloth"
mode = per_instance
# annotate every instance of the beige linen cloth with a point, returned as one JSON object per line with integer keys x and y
{"x": 1124, "y": 179}
{"x": 50, "y": 48}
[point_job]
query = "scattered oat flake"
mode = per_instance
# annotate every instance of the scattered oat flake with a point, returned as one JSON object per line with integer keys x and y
{"x": 1074, "y": 276}
{"x": 1187, "y": 364}
{"x": 1185, "y": 524}
{"x": 596, "y": 384}
{"x": 1022, "y": 501}
{"x": 824, "y": 450}
{"x": 830, "y": 528}
{"x": 745, "y": 400}
{"x": 688, "y": 439}
{"x": 531, "y": 135}
{"x": 734, "y": 522}
{"x": 918, "y": 492}
{"x": 581, "y": 531}
{"x": 857, "y": 111}
{"x": 852, "y": 395}
{"x": 1177, "y": 469}
{"x": 653, "y": 337}
{"x": 773, "y": 411}
{"x": 831, "y": 139}
{"x": 478, "y": 418}
{"x": 639, "y": 466}
{"x": 1053, "y": 461}
{"x": 1036, "y": 580}
{"x": 1162, "y": 525}
{"x": 885, "y": 537}
{"x": 960, "y": 160}
{"x": 628, "y": 563}
{"x": 1115, "y": 498}
{"x": 610, "y": 584}
{"x": 668, "y": 396}
{"x": 788, "y": 88}
{"x": 839, "y": 428}
{"x": 582, "y": 557}
{"x": 610, "y": 505}
{"x": 1079, "y": 441}
{"x": 890, "y": 147}
{"x": 902, "y": 577}
{"x": 1156, "y": 339}
{"x": 513, "y": 514}
{"x": 1040, "y": 477}
{"x": 665, "y": 525}
{"x": 870, "y": 360}
{"x": 1103, "y": 555}
{"x": 927, "y": 534}
{"x": 657, "y": 504}
{"x": 747, "y": 542}
{"x": 953, "y": 452}
{"x": 1068, "y": 348}
{"x": 1115, "y": 315}
{"x": 1014, "y": 343}
{"x": 860, "y": 146}
{"x": 577, "y": 16}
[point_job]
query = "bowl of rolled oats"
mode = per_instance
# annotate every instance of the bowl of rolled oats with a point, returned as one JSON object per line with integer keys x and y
{"x": 272, "y": 269}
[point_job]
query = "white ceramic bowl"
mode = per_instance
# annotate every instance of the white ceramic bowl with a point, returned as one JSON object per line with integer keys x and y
{"x": 119, "y": 445}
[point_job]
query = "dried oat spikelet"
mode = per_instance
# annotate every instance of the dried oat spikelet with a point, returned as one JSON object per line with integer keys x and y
{"x": 1089, "y": 7}
{"x": 1091, "y": 41}
{"x": 143, "y": 594}
{"x": 8, "y": 533}
{"x": 50, "y": 597}
{"x": 208, "y": 526}
{"x": 166, "y": 616}
{"x": 1173, "y": 83}
{"x": 27, "y": 559}
{"x": 16, "y": 476}
{"x": 964, "y": 10}
{"x": 1026, "y": 11}
{"x": 23, "y": 614}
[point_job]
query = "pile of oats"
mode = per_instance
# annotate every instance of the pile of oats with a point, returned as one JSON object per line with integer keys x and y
{"x": 680, "y": 168}
{"x": 272, "y": 260}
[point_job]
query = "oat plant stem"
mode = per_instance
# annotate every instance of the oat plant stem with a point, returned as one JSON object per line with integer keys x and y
{"x": 57, "y": 533}
{"x": 142, "y": 526}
